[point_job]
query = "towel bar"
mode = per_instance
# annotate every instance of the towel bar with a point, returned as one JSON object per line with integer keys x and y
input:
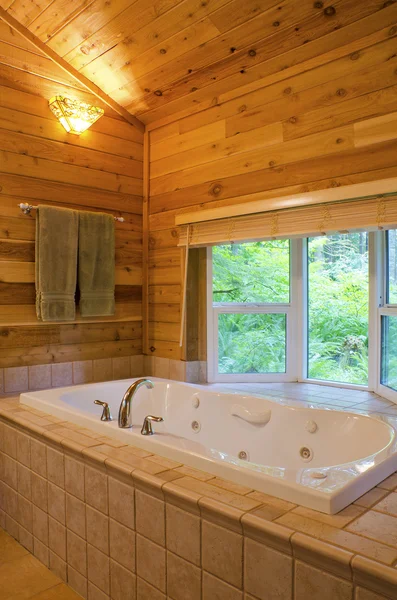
{"x": 27, "y": 209}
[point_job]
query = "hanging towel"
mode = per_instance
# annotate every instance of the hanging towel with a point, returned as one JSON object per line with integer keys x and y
{"x": 56, "y": 263}
{"x": 96, "y": 264}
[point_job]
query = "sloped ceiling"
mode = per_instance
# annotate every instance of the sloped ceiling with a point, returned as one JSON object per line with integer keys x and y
{"x": 159, "y": 58}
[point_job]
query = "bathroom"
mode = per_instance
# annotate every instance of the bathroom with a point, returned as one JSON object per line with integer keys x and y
{"x": 198, "y": 296}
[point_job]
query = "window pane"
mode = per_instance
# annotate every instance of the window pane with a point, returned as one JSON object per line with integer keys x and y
{"x": 338, "y": 308}
{"x": 252, "y": 343}
{"x": 391, "y": 292}
{"x": 389, "y": 352}
{"x": 255, "y": 272}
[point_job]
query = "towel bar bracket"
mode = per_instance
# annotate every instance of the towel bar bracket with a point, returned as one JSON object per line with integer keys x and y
{"x": 27, "y": 209}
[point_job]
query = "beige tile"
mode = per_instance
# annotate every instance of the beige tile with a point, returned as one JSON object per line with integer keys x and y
{"x": 24, "y": 481}
{"x": 56, "y": 503}
{"x": 39, "y": 377}
{"x": 55, "y": 467}
{"x": 388, "y": 504}
{"x": 77, "y": 582}
{"x": 371, "y": 497}
{"x": 363, "y": 594}
{"x": 378, "y": 526}
{"x": 94, "y": 593}
{"x": 230, "y": 486}
{"x": 122, "y": 545}
{"x": 25, "y": 513}
{"x": 147, "y": 592}
{"x": 36, "y": 578}
{"x": 58, "y": 566}
{"x": 193, "y": 371}
{"x": 161, "y": 367}
{"x": 23, "y": 449}
{"x": 221, "y": 514}
{"x": 75, "y": 515}
{"x": 40, "y": 525}
{"x": 25, "y": 539}
{"x": 341, "y": 519}
{"x": 263, "y": 498}
{"x": 194, "y": 473}
{"x": 96, "y": 489}
{"x": 10, "y": 500}
{"x": 38, "y": 455}
{"x": 98, "y": 568}
{"x": 121, "y": 502}
{"x": 319, "y": 585}
{"x": 137, "y": 366}
{"x": 74, "y": 477}
{"x": 215, "y": 589}
{"x": 267, "y": 572}
{"x": 121, "y": 367}
{"x": 122, "y": 582}
{"x": 1, "y": 381}
{"x": 76, "y": 552}
{"x": 57, "y": 538}
{"x": 12, "y": 527}
{"x": 222, "y": 553}
{"x": 61, "y": 374}
{"x": 216, "y": 493}
{"x": 150, "y": 562}
{"x": 16, "y": 379}
{"x": 322, "y": 555}
{"x": 374, "y": 576}
{"x": 183, "y": 533}
{"x": 150, "y": 517}
{"x": 39, "y": 492}
{"x": 10, "y": 441}
{"x": 82, "y": 372}
{"x": 390, "y": 483}
{"x": 10, "y": 471}
{"x": 268, "y": 512}
{"x": 102, "y": 369}
{"x": 183, "y": 579}
{"x": 177, "y": 370}
{"x": 41, "y": 552}
{"x": 97, "y": 529}
{"x": 340, "y": 537}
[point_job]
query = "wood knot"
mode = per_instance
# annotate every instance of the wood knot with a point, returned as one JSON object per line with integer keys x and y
{"x": 339, "y": 140}
{"x": 242, "y": 108}
{"x": 152, "y": 348}
{"x": 147, "y": 90}
{"x": 190, "y": 71}
{"x": 393, "y": 30}
{"x": 216, "y": 189}
{"x": 272, "y": 163}
{"x": 242, "y": 71}
{"x": 252, "y": 53}
{"x": 232, "y": 49}
{"x": 85, "y": 50}
{"x": 330, "y": 11}
{"x": 388, "y": 3}
{"x": 163, "y": 51}
{"x": 158, "y": 93}
{"x": 194, "y": 89}
{"x": 174, "y": 233}
{"x": 334, "y": 184}
{"x": 341, "y": 92}
{"x": 287, "y": 90}
{"x": 276, "y": 24}
{"x": 355, "y": 56}
{"x": 292, "y": 120}
{"x": 318, "y": 4}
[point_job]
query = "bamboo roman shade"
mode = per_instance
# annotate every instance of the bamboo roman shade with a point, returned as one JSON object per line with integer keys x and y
{"x": 302, "y": 221}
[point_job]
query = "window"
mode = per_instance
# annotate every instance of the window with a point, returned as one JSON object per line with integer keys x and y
{"x": 318, "y": 309}
{"x": 338, "y": 308}
{"x": 250, "y": 308}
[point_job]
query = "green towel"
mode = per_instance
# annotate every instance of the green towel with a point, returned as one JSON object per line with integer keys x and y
{"x": 96, "y": 264}
{"x": 56, "y": 263}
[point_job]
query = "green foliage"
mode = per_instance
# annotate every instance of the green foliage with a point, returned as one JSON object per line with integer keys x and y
{"x": 338, "y": 306}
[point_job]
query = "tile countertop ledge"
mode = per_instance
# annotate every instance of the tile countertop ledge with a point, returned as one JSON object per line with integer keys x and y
{"x": 359, "y": 543}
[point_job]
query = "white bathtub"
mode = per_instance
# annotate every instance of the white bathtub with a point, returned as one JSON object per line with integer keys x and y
{"x": 348, "y": 453}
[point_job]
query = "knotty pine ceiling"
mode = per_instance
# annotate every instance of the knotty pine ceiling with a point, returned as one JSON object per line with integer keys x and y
{"x": 163, "y": 57}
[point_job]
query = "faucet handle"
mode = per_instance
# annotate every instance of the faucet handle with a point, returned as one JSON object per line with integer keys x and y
{"x": 147, "y": 424}
{"x": 106, "y": 416}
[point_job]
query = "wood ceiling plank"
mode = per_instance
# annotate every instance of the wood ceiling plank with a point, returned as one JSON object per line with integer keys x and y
{"x": 56, "y": 16}
{"x": 277, "y": 58}
{"x": 186, "y": 141}
{"x": 120, "y": 30}
{"x": 9, "y": 35}
{"x": 25, "y": 12}
{"x": 70, "y": 70}
{"x": 90, "y": 20}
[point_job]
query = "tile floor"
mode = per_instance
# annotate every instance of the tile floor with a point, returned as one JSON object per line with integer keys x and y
{"x": 314, "y": 395}
{"x": 23, "y": 577}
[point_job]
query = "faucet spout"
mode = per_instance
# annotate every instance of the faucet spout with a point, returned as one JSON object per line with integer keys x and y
{"x": 125, "y": 406}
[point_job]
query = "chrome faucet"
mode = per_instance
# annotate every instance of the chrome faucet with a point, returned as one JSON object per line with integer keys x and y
{"x": 147, "y": 424}
{"x": 125, "y": 406}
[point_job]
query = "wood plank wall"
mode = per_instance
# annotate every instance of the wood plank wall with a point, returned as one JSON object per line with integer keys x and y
{"x": 328, "y": 120}
{"x": 41, "y": 163}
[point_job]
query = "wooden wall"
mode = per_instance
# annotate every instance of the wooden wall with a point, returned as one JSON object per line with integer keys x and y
{"x": 327, "y": 116}
{"x": 40, "y": 163}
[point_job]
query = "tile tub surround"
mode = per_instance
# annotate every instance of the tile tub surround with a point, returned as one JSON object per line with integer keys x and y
{"x": 118, "y": 522}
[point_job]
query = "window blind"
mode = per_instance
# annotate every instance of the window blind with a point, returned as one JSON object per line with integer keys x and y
{"x": 368, "y": 214}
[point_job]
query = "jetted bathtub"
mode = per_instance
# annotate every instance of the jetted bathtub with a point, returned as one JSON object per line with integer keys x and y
{"x": 322, "y": 459}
